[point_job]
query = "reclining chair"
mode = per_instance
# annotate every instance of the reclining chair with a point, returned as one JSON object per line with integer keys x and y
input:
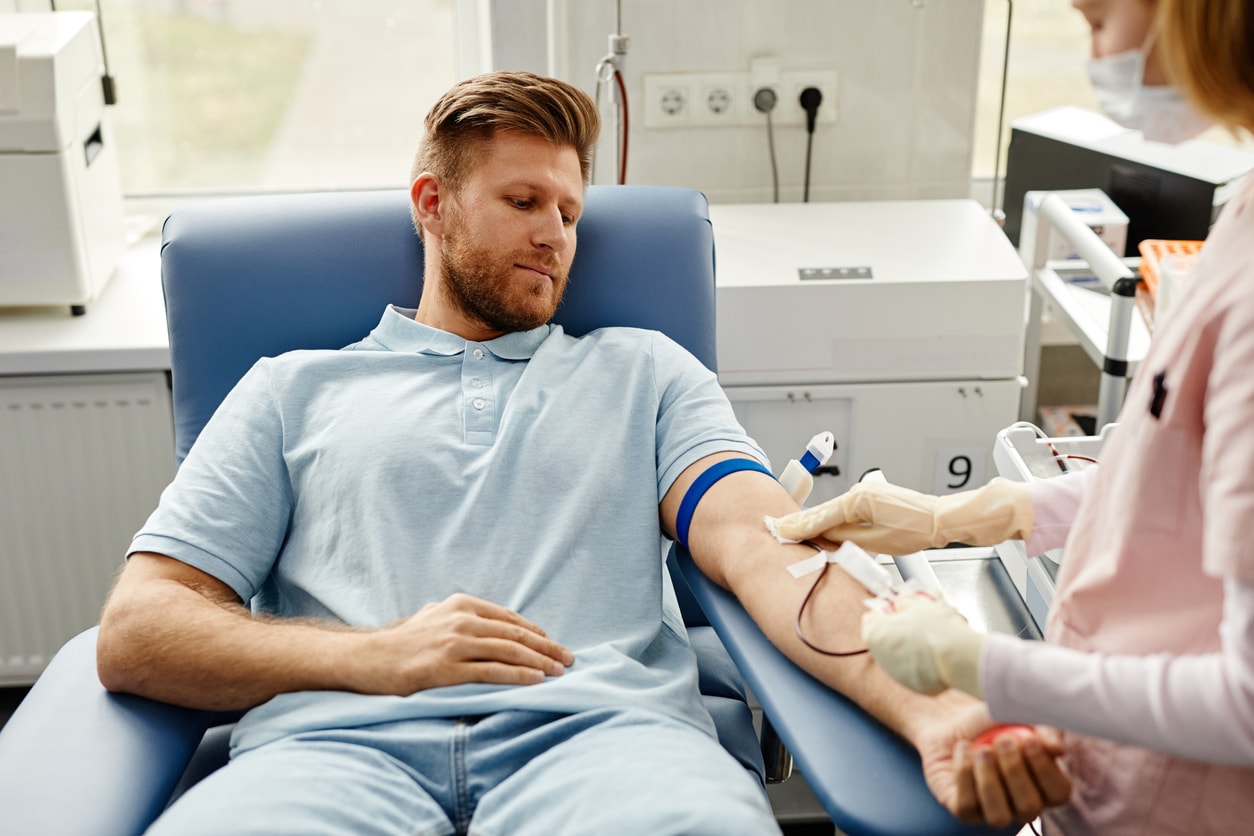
{"x": 252, "y": 277}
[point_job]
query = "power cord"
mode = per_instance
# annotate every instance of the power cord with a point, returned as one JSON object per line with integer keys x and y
{"x": 810, "y": 99}
{"x": 764, "y": 100}
{"x": 106, "y": 80}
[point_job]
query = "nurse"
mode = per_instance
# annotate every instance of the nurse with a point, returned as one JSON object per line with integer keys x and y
{"x": 1149, "y": 659}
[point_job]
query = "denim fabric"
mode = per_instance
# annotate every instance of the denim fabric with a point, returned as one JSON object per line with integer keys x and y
{"x": 516, "y": 773}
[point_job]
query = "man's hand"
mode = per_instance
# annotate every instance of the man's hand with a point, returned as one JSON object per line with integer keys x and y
{"x": 1010, "y": 781}
{"x": 458, "y": 640}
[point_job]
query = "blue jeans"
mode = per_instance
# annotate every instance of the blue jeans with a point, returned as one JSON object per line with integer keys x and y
{"x": 511, "y": 774}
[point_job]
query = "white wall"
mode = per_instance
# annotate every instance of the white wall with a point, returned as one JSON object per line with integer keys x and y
{"x": 907, "y": 88}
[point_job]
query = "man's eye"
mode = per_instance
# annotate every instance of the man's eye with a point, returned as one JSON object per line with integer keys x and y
{"x": 520, "y": 203}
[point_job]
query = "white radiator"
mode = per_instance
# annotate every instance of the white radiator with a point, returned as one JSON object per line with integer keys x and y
{"x": 83, "y": 461}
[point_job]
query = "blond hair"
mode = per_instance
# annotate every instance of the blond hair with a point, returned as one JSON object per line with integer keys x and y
{"x": 472, "y": 111}
{"x": 1207, "y": 47}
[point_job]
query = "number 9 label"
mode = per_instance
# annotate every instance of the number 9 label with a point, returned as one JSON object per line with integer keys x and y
{"x": 959, "y": 469}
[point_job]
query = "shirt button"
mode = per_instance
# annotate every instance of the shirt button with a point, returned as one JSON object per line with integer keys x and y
{"x": 476, "y": 383}
{"x": 478, "y": 403}
{"x": 477, "y": 353}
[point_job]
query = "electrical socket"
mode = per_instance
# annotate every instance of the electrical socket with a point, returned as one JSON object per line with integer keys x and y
{"x": 668, "y": 100}
{"x": 708, "y": 100}
{"x": 789, "y": 110}
{"x": 718, "y": 99}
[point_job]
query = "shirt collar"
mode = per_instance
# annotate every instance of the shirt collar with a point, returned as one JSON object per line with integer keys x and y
{"x": 399, "y": 331}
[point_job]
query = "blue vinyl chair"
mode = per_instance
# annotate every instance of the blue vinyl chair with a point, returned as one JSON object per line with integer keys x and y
{"x": 251, "y": 277}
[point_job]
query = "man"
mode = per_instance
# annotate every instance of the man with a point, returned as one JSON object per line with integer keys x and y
{"x": 452, "y": 529}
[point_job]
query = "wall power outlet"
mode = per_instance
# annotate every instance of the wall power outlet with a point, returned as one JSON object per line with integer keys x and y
{"x": 725, "y": 99}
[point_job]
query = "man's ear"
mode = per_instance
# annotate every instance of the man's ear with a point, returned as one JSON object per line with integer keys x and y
{"x": 427, "y": 194}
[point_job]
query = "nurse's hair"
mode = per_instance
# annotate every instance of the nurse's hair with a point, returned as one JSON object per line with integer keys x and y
{"x": 1207, "y": 47}
{"x": 465, "y": 118}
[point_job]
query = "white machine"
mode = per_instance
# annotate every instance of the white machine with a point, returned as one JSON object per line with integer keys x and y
{"x": 1022, "y": 454}
{"x": 897, "y": 325}
{"x": 61, "y": 222}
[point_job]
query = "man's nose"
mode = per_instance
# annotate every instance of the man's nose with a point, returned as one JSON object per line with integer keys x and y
{"x": 550, "y": 230}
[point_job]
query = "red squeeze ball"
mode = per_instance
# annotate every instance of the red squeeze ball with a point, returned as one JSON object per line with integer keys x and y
{"x": 986, "y": 737}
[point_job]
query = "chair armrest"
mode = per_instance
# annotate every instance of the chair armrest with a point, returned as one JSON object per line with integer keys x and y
{"x": 868, "y": 779}
{"x": 78, "y": 760}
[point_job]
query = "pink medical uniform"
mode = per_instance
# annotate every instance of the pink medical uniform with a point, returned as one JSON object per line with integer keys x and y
{"x": 1157, "y": 582}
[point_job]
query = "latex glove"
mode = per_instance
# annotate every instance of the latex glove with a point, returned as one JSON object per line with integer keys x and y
{"x": 926, "y": 645}
{"x": 889, "y": 519}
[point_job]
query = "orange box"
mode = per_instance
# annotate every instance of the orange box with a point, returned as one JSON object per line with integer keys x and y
{"x": 1154, "y": 250}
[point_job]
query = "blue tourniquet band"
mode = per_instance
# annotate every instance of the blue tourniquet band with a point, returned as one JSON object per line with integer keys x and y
{"x": 702, "y": 484}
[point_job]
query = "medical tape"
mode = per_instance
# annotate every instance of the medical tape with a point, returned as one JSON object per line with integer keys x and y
{"x": 865, "y": 569}
{"x": 702, "y": 484}
{"x": 812, "y": 564}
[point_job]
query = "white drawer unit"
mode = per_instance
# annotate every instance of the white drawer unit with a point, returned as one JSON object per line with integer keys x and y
{"x": 897, "y": 325}
{"x": 931, "y": 436}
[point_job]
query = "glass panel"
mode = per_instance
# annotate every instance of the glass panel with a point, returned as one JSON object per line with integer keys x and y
{"x": 272, "y": 95}
{"x": 1048, "y": 47}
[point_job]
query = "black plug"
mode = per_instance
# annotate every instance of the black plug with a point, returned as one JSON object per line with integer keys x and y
{"x": 811, "y": 98}
{"x": 764, "y": 99}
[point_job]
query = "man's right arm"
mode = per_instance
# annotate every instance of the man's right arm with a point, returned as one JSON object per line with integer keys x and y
{"x": 173, "y": 633}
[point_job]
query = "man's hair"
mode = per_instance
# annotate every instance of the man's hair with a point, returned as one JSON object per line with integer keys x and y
{"x": 1207, "y": 47}
{"x": 467, "y": 117}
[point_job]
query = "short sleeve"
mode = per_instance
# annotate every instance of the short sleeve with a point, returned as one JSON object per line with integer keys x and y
{"x": 694, "y": 418}
{"x": 228, "y": 508}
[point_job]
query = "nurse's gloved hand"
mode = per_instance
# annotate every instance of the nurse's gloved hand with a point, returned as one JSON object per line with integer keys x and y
{"x": 925, "y": 644}
{"x": 889, "y": 519}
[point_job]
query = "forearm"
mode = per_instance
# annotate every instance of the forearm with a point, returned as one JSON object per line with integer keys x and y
{"x": 831, "y": 621}
{"x": 1197, "y": 706}
{"x": 169, "y": 642}
{"x": 1055, "y": 503}
{"x": 731, "y": 545}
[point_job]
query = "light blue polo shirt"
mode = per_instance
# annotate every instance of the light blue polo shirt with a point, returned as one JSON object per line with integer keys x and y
{"x": 359, "y": 485}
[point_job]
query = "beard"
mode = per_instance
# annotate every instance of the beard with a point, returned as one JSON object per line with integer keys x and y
{"x": 479, "y": 282}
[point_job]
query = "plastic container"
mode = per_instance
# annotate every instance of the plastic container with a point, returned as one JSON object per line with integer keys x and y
{"x": 1164, "y": 267}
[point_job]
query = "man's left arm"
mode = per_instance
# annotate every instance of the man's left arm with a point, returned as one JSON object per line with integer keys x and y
{"x": 730, "y": 543}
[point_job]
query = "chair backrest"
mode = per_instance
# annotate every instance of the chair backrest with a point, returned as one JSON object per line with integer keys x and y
{"x": 253, "y": 277}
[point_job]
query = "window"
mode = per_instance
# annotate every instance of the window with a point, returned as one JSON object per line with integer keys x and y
{"x": 272, "y": 95}
{"x": 1049, "y": 43}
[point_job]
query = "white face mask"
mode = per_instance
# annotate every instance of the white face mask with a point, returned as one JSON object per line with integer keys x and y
{"x": 1159, "y": 112}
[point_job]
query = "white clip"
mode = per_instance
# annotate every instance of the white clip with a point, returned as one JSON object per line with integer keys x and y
{"x": 864, "y": 568}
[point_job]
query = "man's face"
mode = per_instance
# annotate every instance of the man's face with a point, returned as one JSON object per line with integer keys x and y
{"x": 509, "y": 234}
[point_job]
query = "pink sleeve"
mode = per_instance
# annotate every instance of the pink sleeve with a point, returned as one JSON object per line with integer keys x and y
{"x": 1055, "y": 502}
{"x": 1199, "y": 706}
{"x": 1227, "y": 478}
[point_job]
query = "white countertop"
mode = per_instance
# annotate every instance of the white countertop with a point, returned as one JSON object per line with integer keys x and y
{"x": 907, "y": 242}
{"x": 123, "y": 330}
